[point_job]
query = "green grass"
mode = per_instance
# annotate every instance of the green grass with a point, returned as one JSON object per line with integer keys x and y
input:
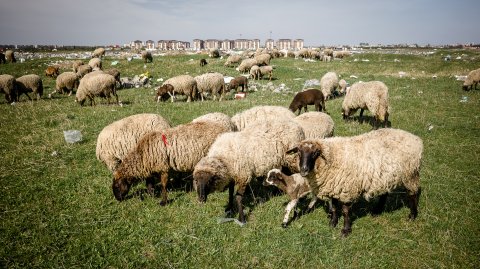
{"x": 57, "y": 209}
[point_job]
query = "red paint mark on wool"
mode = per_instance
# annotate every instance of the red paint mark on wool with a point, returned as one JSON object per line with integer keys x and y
{"x": 164, "y": 139}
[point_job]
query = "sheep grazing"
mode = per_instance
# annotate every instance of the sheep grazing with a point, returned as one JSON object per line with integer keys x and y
{"x": 164, "y": 92}
{"x": 211, "y": 83}
{"x": 158, "y": 153}
{"x": 147, "y": 56}
{"x": 66, "y": 82}
{"x": 473, "y": 78}
{"x": 295, "y": 186}
{"x": 8, "y": 87}
{"x": 342, "y": 84}
{"x": 98, "y": 53}
{"x": 219, "y": 118}
{"x": 308, "y": 97}
{"x": 82, "y": 70}
{"x": 237, "y": 82}
{"x": 263, "y": 59}
{"x": 316, "y": 125}
{"x": 226, "y": 164}
{"x": 214, "y": 53}
{"x": 203, "y": 62}
{"x": 385, "y": 160}
{"x": 372, "y": 96}
{"x": 264, "y": 71}
{"x": 233, "y": 60}
{"x": 261, "y": 114}
{"x": 328, "y": 84}
{"x": 102, "y": 85}
{"x": 246, "y": 64}
{"x": 29, "y": 83}
{"x": 183, "y": 84}
{"x": 95, "y": 63}
{"x": 10, "y": 56}
{"x": 255, "y": 72}
{"x": 118, "y": 138}
{"x": 52, "y": 71}
{"x": 115, "y": 73}
{"x": 76, "y": 64}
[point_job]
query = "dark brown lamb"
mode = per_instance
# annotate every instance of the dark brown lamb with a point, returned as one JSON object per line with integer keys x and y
{"x": 308, "y": 97}
{"x": 237, "y": 82}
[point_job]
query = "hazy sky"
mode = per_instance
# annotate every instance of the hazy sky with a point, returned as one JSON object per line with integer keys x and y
{"x": 109, "y": 22}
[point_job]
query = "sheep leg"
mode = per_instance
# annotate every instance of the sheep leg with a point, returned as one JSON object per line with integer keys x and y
{"x": 347, "y": 222}
{"x": 229, "y": 208}
{"x": 163, "y": 181}
{"x": 291, "y": 205}
{"x": 150, "y": 182}
{"x": 413, "y": 204}
{"x": 378, "y": 209}
{"x": 312, "y": 203}
{"x": 334, "y": 213}
{"x": 239, "y": 198}
{"x": 361, "y": 112}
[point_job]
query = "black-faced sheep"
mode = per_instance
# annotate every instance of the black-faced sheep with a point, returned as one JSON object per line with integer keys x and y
{"x": 372, "y": 96}
{"x": 183, "y": 84}
{"x": 308, "y": 97}
{"x": 237, "y": 82}
{"x": 147, "y": 56}
{"x": 203, "y": 62}
{"x": 211, "y": 83}
{"x": 101, "y": 85}
{"x": 384, "y": 160}
{"x": 29, "y": 83}
{"x": 226, "y": 164}
{"x": 8, "y": 87}
{"x": 66, "y": 82}
{"x": 10, "y": 56}
{"x": 158, "y": 153}
{"x": 52, "y": 71}
{"x": 473, "y": 78}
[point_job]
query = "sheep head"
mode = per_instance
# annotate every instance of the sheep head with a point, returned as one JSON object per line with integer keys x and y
{"x": 120, "y": 186}
{"x": 308, "y": 151}
{"x": 209, "y": 176}
{"x": 164, "y": 92}
{"x": 274, "y": 178}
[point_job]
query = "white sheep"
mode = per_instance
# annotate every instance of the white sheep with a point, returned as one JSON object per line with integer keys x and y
{"x": 118, "y": 138}
{"x": 211, "y": 83}
{"x": 7, "y": 86}
{"x": 82, "y": 70}
{"x": 342, "y": 84}
{"x": 66, "y": 81}
{"x": 183, "y": 84}
{"x": 473, "y": 78}
{"x": 264, "y": 71}
{"x": 246, "y": 64}
{"x": 372, "y": 96}
{"x": 316, "y": 124}
{"x": 76, "y": 64}
{"x": 328, "y": 84}
{"x": 98, "y": 53}
{"x": 237, "y": 157}
{"x": 158, "y": 153}
{"x": 255, "y": 72}
{"x": 95, "y": 63}
{"x": 29, "y": 83}
{"x": 368, "y": 165}
{"x": 219, "y": 118}
{"x": 101, "y": 84}
{"x": 233, "y": 59}
{"x": 263, "y": 59}
{"x": 261, "y": 114}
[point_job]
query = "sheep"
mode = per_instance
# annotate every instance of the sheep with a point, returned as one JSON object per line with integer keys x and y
{"x": 220, "y": 118}
{"x": 147, "y": 56}
{"x": 473, "y": 78}
{"x": 265, "y": 70}
{"x": 263, "y": 59}
{"x": 98, "y": 53}
{"x": 233, "y": 59}
{"x": 183, "y": 84}
{"x": 118, "y": 138}
{"x": 76, "y": 64}
{"x": 158, "y": 153}
{"x": 203, "y": 62}
{"x": 164, "y": 92}
{"x": 115, "y": 73}
{"x": 52, "y": 71}
{"x": 211, "y": 83}
{"x": 82, "y": 70}
{"x": 214, "y": 53}
{"x": 371, "y": 95}
{"x": 66, "y": 81}
{"x": 342, "y": 84}
{"x": 29, "y": 83}
{"x": 371, "y": 164}
{"x": 237, "y": 157}
{"x": 255, "y": 72}
{"x": 2, "y": 58}
{"x": 261, "y": 114}
{"x": 8, "y": 87}
{"x": 237, "y": 82}
{"x": 328, "y": 84}
{"x": 10, "y": 56}
{"x": 102, "y": 85}
{"x": 246, "y": 64}
{"x": 308, "y": 97}
{"x": 95, "y": 63}
{"x": 316, "y": 125}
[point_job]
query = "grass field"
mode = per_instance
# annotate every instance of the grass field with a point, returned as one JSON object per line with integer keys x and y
{"x": 57, "y": 209}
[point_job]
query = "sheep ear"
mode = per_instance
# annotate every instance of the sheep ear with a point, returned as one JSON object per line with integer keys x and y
{"x": 292, "y": 150}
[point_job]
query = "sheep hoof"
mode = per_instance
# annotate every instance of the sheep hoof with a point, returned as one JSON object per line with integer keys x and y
{"x": 284, "y": 225}
{"x": 163, "y": 203}
{"x": 333, "y": 222}
{"x": 346, "y": 232}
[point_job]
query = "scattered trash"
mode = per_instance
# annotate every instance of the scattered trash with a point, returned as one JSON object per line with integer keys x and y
{"x": 464, "y": 99}
{"x": 458, "y": 58}
{"x": 396, "y": 60}
{"x": 114, "y": 63}
{"x": 447, "y": 58}
{"x": 13, "y": 103}
{"x": 311, "y": 83}
{"x": 353, "y": 76}
{"x": 461, "y": 78}
{"x": 227, "y": 79}
{"x": 129, "y": 59}
{"x": 240, "y": 95}
{"x": 434, "y": 76}
{"x": 72, "y": 136}
{"x": 430, "y": 127}
{"x": 223, "y": 220}
{"x": 420, "y": 92}
{"x": 402, "y": 74}
{"x": 54, "y": 153}
{"x": 159, "y": 79}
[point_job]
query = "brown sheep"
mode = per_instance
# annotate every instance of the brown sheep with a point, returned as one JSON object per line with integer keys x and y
{"x": 164, "y": 92}
{"x": 308, "y": 97}
{"x": 238, "y": 81}
{"x": 147, "y": 57}
{"x": 52, "y": 71}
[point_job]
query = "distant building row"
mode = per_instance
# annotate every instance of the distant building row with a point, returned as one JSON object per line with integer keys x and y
{"x": 226, "y": 44}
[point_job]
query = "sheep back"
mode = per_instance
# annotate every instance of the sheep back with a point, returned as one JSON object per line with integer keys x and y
{"x": 261, "y": 113}
{"x": 7, "y": 86}
{"x": 95, "y": 63}
{"x": 30, "y": 83}
{"x": 473, "y": 78}
{"x": 10, "y": 56}
{"x": 212, "y": 83}
{"x": 316, "y": 125}
{"x": 219, "y": 118}
{"x": 328, "y": 84}
{"x": 183, "y": 84}
{"x": 67, "y": 81}
{"x": 371, "y": 95}
{"x": 246, "y": 64}
{"x": 100, "y": 84}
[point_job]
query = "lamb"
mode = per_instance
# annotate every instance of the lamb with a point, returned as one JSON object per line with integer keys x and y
{"x": 255, "y": 72}
{"x": 263, "y": 59}
{"x": 76, "y": 64}
{"x": 8, "y": 87}
{"x": 29, "y": 83}
{"x": 233, "y": 59}
{"x": 473, "y": 78}
{"x": 342, "y": 84}
{"x": 261, "y": 114}
{"x": 266, "y": 70}
{"x": 147, "y": 56}
{"x": 211, "y": 83}
{"x": 102, "y": 85}
{"x": 164, "y": 92}
{"x": 308, "y": 97}
{"x": 95, "y": 63}
{"x": 203, "y": 62}
{"x": 237, "y": 82}
{"x": 118, "y": 138}
{"x": 246, "y": 64}
{"x": 316, "y": 125}
{"x": 371, "y": 95}
{"x": 158, "y": 153}
{"x": 98, "y": 53}
{"x": 66, "y": 82}
{"x": 384, "y": 160}
{"x": 183, "y": 84}
{"x": 227, "y": 164}
{"x": 52, "y": 71}
{"x": 82, "y": 70}
{"x": 10, "y": 56}
{"x": 328, "y": 84}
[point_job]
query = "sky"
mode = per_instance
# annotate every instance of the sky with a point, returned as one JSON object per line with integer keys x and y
{"x": 317, "y": 22}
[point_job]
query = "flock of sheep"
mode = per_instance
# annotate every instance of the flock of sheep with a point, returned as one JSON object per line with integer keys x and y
{"x": 296, "y": 153}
